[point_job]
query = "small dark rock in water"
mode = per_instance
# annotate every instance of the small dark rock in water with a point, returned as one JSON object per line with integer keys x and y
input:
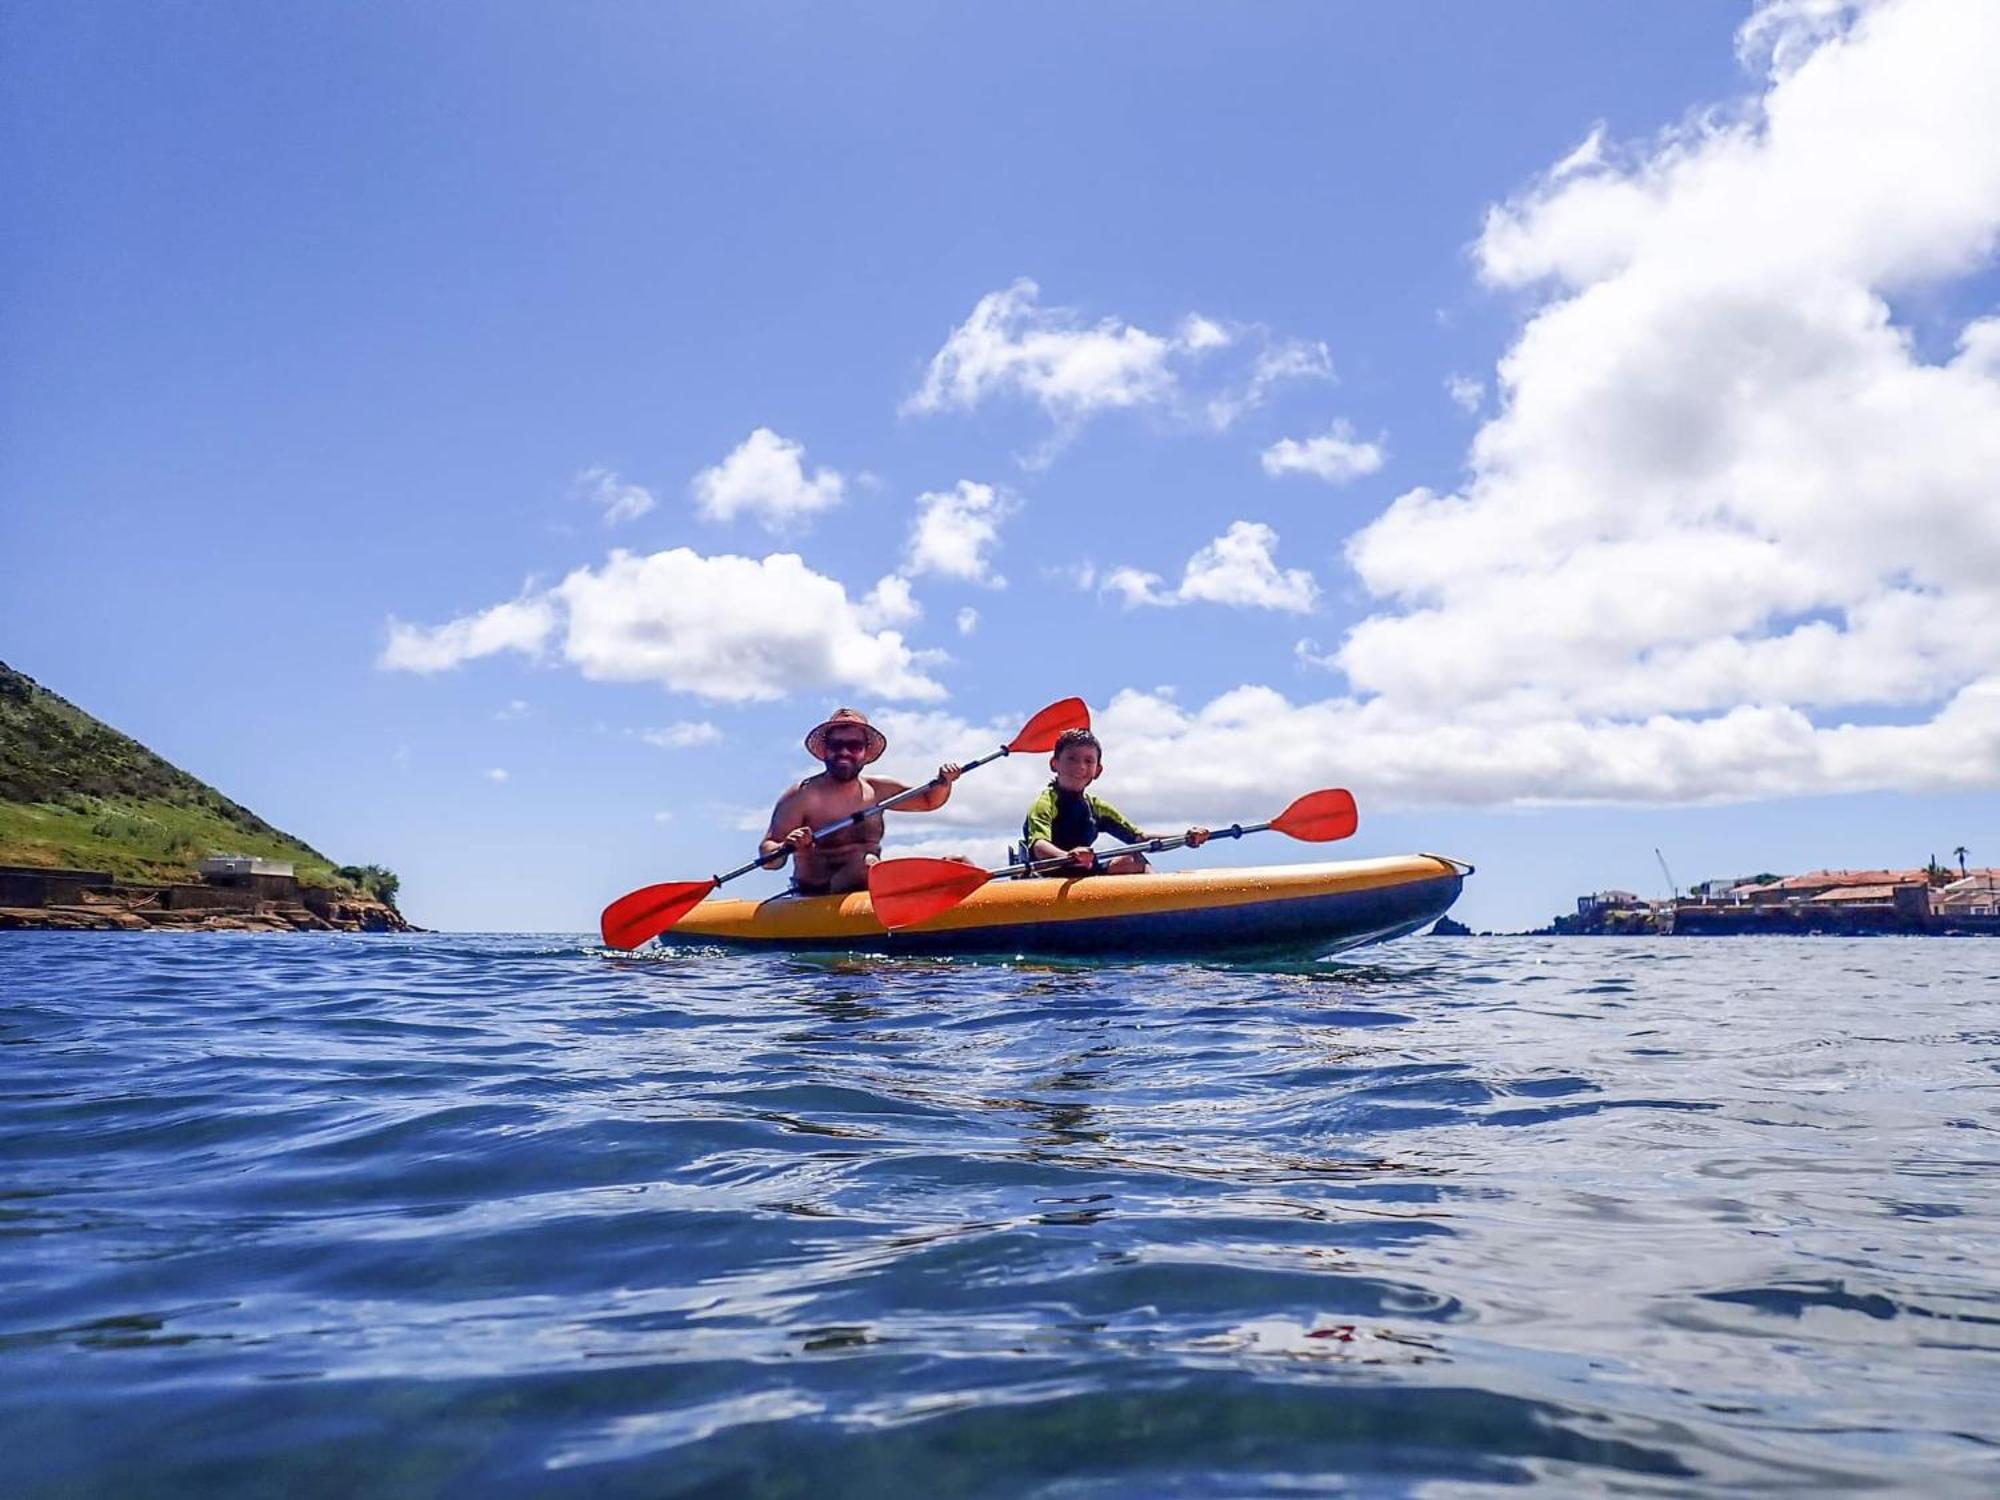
{"x": 1447, "y": 928}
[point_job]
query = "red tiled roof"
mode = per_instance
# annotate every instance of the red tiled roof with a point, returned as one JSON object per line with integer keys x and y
{"x": 1824, "y": 878}
{"x": 1856, "y": 893}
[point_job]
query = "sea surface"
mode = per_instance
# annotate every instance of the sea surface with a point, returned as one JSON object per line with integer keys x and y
{"x": 509, "y": 1215}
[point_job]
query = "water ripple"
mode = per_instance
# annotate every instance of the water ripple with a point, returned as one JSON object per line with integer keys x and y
{"x": 432, "y": 1215}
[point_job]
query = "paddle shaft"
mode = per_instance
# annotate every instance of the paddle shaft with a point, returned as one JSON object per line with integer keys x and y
{"x": 1147, "y": 846}
{"x": 765, "y": 862}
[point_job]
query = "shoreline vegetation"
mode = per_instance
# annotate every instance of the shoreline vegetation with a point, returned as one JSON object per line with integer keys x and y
{"x": 98, "y": 832}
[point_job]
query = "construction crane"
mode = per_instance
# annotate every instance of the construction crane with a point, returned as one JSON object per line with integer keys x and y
{"x": 1673, "y": 891}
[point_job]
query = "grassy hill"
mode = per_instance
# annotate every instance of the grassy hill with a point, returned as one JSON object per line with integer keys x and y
{"x": 75, "y": 792}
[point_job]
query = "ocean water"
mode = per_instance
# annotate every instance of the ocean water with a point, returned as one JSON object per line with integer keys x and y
{"x": 509, "y": 1215}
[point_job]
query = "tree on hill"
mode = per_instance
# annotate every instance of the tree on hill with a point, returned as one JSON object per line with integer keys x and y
{"x": 377, "y": 881}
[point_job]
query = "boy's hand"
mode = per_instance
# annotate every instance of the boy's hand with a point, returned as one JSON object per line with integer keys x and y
{"x": 1196, "y": 837}
{"x": 1083, "y": 858}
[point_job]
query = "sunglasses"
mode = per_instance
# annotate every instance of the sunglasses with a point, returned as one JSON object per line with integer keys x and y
{"x": 857, "y": 746}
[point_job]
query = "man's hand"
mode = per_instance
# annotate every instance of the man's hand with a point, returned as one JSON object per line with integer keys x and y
{"x": 777, "y": 851}
{"x": 1196, "y": 837}
{"x": 1083, "y": 857}
{"x": 949, "y": 772}
{"x": 774, "y": 852}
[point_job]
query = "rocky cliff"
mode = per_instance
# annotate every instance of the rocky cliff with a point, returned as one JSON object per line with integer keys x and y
{"x": 97, "y": 831}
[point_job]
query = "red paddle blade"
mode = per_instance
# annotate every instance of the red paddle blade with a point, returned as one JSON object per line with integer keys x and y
{"x": 907, "y": 891}
{"x": 1320, "y": 817}
{"x": 630, "y": 920}
{"x": 1041, "y": 732}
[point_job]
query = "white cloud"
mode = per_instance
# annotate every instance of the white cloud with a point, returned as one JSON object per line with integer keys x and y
{"x": 1137, "y": 587}
{"x": 1723, "y": 491}
{"x": 496, "y": 775}
{"x": 729, "y": 628}
{"x": 1291, "y": 359}
{"x": 517, "y": 708}
{"x": 1011, "y": 345}
{"x": 765, "y": 477}
{"x": 618, "y": 500}
{"x": 1583, "y": 158}
{"x": 1248, "y": 752}
{"x": 1722, "y": 501}
{"x": 1278, "y": 362}
{"x": 522, "y": 625}
{"x": 1307, "y": 653}
{"x": 1078, "y": 575}
{"x": 890, "y": 602}
{"x": 1201, "y": 334}
{"x": 1237, "y": 568}
{"x": 955, "y": 529}
{"x": 732, "y": 629}
{"x": 968, "y": 620}
{"x": 1335, "y": 456}
{"x": 1467, "y": 394}
{"x": 663, "y": 817}
{"x": 684, "y": 735}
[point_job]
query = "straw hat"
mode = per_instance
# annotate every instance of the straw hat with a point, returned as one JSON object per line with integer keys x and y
{"x": 847, "y": 718}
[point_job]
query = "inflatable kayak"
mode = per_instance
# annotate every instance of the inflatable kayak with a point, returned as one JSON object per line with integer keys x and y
{"x": 1274, "y": 911}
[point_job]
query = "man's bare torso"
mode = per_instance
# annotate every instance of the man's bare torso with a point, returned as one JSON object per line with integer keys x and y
{"x": 838, "y": 862}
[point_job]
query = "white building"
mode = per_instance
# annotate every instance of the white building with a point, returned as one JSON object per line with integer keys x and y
{"x": 231, "y": 865}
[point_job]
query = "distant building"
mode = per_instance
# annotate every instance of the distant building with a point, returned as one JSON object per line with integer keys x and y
{"x": 225, "y": 867}
{"x": 1606, "y": 901}
{"x": 1729, "y": 888}
{"x": 1975, "y": 894}
{"x": 1796, "y": 890}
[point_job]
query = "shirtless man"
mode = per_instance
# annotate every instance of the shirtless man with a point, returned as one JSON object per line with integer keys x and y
{"x": 845, "y": 743}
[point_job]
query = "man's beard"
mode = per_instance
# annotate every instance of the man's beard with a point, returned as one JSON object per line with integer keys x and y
{"x": 843, "y": 769}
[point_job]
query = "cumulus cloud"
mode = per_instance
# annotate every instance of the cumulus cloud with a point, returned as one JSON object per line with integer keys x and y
{"x": 1237, "y": 568}
{"x": 732, "y": 629}
{"x": 765, "y": 477}
{"x": 1013, "y": 345}
{"x": 968, "y": 620}
{"x": 1728, "y": 534}
{"x": 956, "y": 529}
{"x": 683, "y": 736}
{"x": 890, "y": 602}
{"x": 1467, "y": 394}
{"x": 522, "y": 625}
{"x": 1335, "y": 456}
{"x": 1247, "y": 752}
{"x": 1725, "y": 503}
{"x": 618, "y": 500}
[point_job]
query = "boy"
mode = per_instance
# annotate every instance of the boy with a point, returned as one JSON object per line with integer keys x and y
{"x": 1066, "y": 820}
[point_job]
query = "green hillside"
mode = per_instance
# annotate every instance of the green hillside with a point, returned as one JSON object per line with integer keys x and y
{"x": 75, "y": 792}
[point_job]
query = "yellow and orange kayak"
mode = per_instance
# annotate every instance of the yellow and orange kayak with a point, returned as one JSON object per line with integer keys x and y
{"x": 1272, "y": 911}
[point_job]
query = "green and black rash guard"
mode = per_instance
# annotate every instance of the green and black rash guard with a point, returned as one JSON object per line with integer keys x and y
{"x": 1073, "y": 820}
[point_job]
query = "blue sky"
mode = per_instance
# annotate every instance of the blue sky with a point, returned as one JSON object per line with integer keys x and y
{"x": 1571, "y": 427}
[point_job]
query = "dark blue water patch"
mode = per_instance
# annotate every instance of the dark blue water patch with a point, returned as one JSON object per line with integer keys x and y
{"x": 452, "y": 1215}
